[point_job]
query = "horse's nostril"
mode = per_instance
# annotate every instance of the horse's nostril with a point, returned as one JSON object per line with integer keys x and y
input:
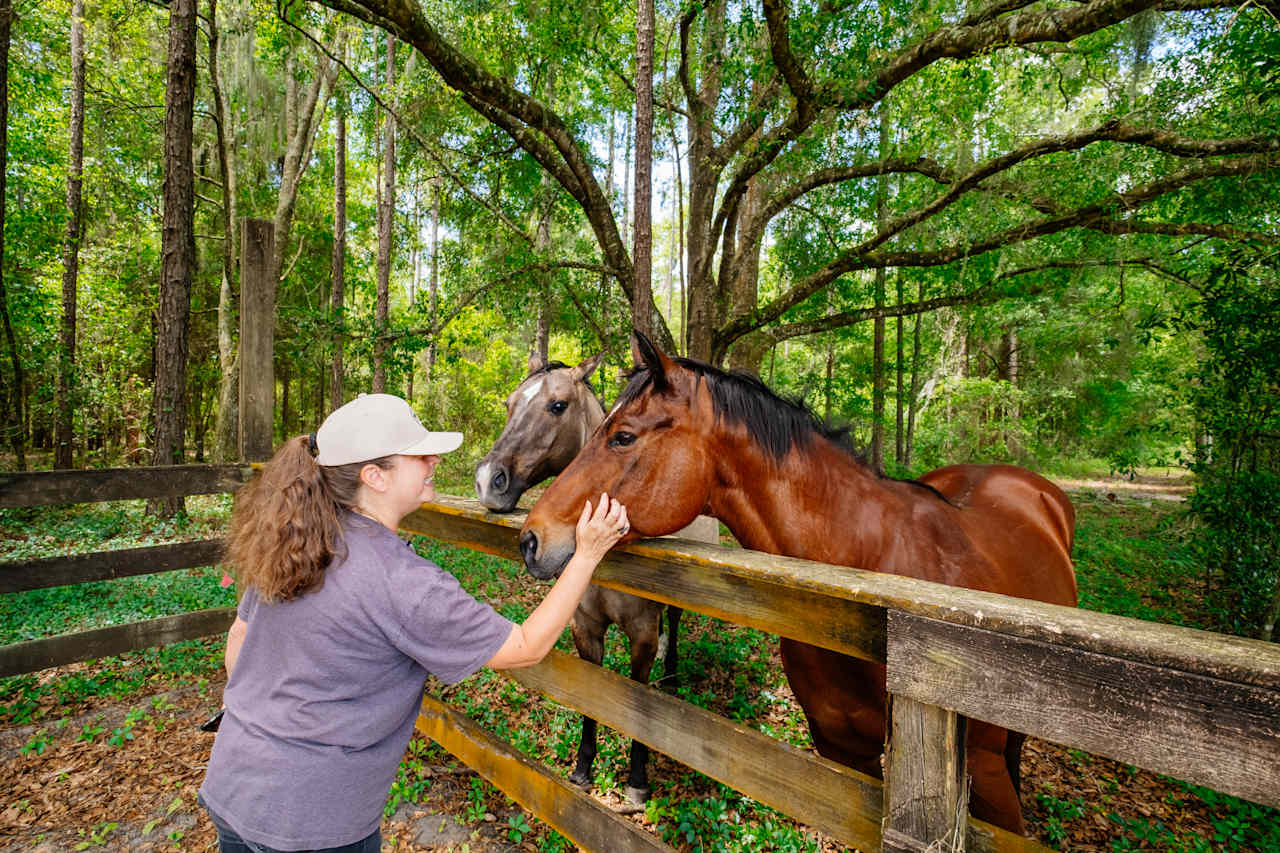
{"x": 528, "y": 547}
{"x": 499, "y": 482}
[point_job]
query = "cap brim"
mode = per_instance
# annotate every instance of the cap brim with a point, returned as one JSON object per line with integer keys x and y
{"x": 434, "y": 443}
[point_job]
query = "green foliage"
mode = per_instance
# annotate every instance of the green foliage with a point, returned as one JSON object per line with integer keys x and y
{"x": 1236, "y": 395}
{"x": 977, "y": 420}
{"x": 1240, "y": 545}
{"x": 1060, "y": 812}
{"x": 517, "y": 827}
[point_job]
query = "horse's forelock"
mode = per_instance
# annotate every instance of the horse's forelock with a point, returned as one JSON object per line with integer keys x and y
{"x": 557, "y": 365}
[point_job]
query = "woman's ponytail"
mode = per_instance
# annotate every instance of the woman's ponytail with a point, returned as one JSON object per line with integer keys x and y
{"x": 287, "y": 522}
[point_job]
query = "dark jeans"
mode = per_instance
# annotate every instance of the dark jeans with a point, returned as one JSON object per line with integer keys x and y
{"x": 229, "y": 842}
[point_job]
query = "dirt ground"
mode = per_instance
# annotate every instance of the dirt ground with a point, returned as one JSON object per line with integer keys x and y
{"x": 140, "y": 793}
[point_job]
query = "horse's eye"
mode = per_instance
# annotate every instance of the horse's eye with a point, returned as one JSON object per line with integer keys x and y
{"x": 557, "y": 407}
{"x": 622, "y": 439}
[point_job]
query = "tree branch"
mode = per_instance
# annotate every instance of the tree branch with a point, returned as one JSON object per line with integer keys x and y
{"x": 471, "y": 295}
{"x": 417, "y": 137}
{"x": 1094, "y": 215}
{"x": 983, "y": 295}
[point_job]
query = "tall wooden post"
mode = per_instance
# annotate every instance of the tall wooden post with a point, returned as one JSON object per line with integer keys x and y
{"x": 926, "y": 792}
{"x": 257, "y": 339}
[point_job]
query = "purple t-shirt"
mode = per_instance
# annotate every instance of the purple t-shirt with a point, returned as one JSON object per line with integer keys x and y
{"x": 325, "y": 692}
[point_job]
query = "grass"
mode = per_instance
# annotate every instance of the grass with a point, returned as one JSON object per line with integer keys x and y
{"x": 1132, "y": 559}
{"x": 1136, "y": 560}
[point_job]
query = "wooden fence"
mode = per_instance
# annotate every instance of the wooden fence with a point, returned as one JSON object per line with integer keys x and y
{"x": 45, "y": 488}
{"x": 1200, "y": 706}
{"x": 1203, "y": 707}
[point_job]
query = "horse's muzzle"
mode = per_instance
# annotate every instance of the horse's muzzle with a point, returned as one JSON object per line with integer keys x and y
{"x": 496, "y": 487}
{"x": 547, "y": 565}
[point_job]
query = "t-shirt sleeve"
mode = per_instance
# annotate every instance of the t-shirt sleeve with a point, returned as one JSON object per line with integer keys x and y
{"x": 444, "y": 628}
{"x": 248, "y": 603}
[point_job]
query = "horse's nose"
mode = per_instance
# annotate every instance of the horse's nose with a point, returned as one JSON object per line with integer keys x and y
{"x": 529, "y": 547}
{"x": 499, "y": 482}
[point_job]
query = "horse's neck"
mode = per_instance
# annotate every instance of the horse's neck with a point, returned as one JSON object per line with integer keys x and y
{"x": 820, "y": 504}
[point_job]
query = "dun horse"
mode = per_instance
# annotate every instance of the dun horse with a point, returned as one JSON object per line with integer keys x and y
{"x": 550, "y": 416}
{"x": 686, "y": 438}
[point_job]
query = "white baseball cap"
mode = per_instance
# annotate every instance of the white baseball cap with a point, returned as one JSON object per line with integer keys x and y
{"x": 375, "y": 425}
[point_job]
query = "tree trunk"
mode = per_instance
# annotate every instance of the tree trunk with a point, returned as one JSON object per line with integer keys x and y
{"x": 339, "y": 259}
{"x": 14, "y": 422}
{"x": 226, "y": 438}
{"x": 64, "y": 446}
{"x": 642, "y": 236}
{"x": 703, "y": 184}
{"x": 178, "y": 247}
{"x": 285, "y": 375}
{"x": 681, "y": 338}
{"x": 915, "y": 383}
{"x": 877, "y": 359}
{"x": 386, "y": 224}
{"x": 899, "y": 367}
{"x": 742, "y": 285}
{"x": 541, "y": 242}
{"x": 1009, "y": 355}
{"x": 626, "y": 181}
{"x": 434, "y": 286}
{"x": 303, "y": 120}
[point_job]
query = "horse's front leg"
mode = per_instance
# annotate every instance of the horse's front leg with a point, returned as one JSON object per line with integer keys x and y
{"x": 671, "y": 660}
{"x": 641, "y": 625}
{"x": 588, "y": 637}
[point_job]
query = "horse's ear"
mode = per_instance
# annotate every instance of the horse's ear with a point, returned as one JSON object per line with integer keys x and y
{"x": 647, "y": 355}
{"x": 587, "y": 367}
{"x": 536, "y": 362}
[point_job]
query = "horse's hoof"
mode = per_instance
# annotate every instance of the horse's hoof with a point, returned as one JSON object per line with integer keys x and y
{"x": 582, "y": 780}
{"x": 638, "y": 796}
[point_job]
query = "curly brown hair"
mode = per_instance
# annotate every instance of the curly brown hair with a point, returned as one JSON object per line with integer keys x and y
{"x": 286, "y": 525}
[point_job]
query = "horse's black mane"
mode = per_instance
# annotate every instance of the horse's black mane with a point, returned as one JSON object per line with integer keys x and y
{"x": 557, "y": 365}
{"x": 777, "y": 423}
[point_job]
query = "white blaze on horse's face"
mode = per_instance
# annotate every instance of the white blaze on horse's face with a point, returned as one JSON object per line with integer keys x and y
{"x": 532, "y": 391}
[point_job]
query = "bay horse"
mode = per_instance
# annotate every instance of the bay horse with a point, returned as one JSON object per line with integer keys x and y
{"x": 686, "y": 437}
{"x": 550, "y": 416}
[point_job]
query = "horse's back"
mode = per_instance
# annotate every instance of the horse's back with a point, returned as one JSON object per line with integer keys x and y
{"x": 1021, "y": 514}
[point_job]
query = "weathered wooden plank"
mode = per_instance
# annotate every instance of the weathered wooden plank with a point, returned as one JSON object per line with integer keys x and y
{"x": 680, "y": 572}
{"x": 1234, "y": 659}
{"x": 1206, "y": 730}
{"x": 839, "y": 801}
{"x": 926, "y": 798}
{"x": 106, "y": 565}
{"x": 575, "y": 815}
{"x": 41, "y": 488}
{"x": 35, "y": 655}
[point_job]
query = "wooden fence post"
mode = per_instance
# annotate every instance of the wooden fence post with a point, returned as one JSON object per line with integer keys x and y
{"x": 926, "y": 796}
{"x": 257, "y": 338}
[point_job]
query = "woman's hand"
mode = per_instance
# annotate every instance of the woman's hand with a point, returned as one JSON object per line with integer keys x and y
{"x": 599, "y": 529}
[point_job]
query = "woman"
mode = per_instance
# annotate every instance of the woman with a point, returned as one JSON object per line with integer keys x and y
{"x": 340, "y": 624}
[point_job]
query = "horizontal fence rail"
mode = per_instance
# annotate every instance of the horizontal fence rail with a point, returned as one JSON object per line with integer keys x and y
{"x": 580, "y": 818}
{"x": 108, "y": 565}
{"x": 33, "y": 655}
{"x": 42, "y": 488}
{"x": 1044, "y": 669}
